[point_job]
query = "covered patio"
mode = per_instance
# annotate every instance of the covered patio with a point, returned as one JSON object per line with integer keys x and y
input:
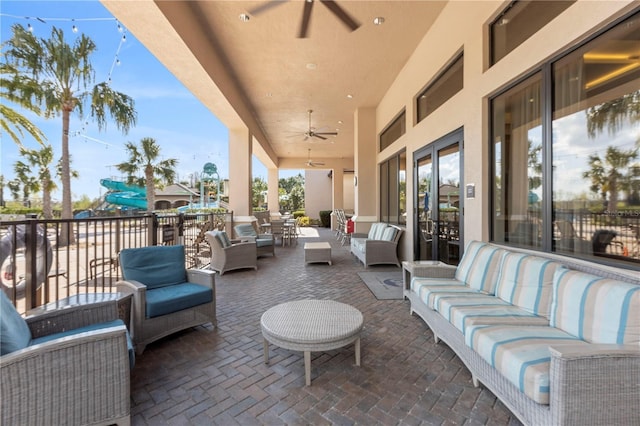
{"x": 218, "y": 376}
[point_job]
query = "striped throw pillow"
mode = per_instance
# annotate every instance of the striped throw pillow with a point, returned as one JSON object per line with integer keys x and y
{"x": 596, "y": 309}
{"x": 526, "y": 281}
{"x": 479, "y": 266}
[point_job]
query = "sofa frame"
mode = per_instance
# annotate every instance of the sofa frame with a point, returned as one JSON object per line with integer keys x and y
{"x": 594, "y": 387}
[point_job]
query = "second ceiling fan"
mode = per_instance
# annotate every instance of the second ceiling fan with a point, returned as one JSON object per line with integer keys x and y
{"x": 336, "y": 9}
{"x": 313, "y": 133}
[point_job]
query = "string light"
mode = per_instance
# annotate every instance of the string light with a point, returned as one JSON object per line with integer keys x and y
{"x": 116, "y": 61}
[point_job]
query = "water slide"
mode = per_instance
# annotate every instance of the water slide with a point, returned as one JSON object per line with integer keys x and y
{"x": 122, "y": 194}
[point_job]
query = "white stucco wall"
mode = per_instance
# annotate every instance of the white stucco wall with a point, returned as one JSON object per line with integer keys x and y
{"x": 317, "y": 192}
{"x": 469, "y": 107}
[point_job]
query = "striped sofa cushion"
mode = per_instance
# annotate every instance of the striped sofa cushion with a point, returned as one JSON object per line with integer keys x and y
{"x": 526, "y": 281}
{"x": 596, "y": 309}
{"x": 418, "y": 282}
{"x": 520, "y": 354}
{"x": 463, "y": 317}
{"x": 479, "y": 266}
{"x": 446, "y": 302}
{"x": 430, "y": 295}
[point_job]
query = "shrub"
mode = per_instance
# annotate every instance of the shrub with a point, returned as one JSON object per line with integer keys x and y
{"x": 325, "y": 218}
{"x": 305, "y": 221}
{"x": 298, "y": 213}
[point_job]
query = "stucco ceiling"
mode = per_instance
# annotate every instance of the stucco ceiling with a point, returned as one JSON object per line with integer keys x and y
{"x": 261, "y": 74}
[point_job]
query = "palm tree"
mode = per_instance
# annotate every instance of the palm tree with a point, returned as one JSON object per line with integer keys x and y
{"x": 612, "y": 173}
{"x": 42, "y": 159}
{"x": 613, "y": 114}
{"x": 11, "y": 121}
{"x": 25, "y": 180}
{"x": 66, "y": 83}
{"x": 144, "y": 158}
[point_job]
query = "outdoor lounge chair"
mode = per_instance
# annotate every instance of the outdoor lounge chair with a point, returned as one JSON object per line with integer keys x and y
{"x": 167, "y": 297}
{"x": 228, "y": 255}
{"x": 265, "y": 243}
{"x": 66, "y": 366}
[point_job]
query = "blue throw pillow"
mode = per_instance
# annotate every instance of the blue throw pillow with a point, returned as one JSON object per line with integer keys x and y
{"x": 14, "y": 331}
{"x": 154, "y": 266}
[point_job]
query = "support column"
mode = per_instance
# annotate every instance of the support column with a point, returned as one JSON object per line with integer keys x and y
{"x": 240, "y": 171}
{"x": 365, "y": 166}
{"x": 273, "y": 199}
{"x": 337, "y": 201}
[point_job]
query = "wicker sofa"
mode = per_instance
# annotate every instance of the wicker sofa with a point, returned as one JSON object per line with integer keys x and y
{"x": 379, "y": 246}
{"x": 557, "y": 340}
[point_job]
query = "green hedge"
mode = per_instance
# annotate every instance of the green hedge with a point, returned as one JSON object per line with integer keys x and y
{"x": 325, "y": 218}
{"x": 298, "y": 213}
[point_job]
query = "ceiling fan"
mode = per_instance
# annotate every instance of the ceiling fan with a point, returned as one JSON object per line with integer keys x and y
{"x": 311, "y": 163}
{"x": 313, "y": 133}
{"x": 332, "y": 5}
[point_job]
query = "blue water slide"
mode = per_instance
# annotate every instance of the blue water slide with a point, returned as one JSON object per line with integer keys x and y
{"x": 123, "y": 194}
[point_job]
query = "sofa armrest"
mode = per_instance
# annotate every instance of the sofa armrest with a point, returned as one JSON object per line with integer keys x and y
{"x": 433, "y": 271}
{"x": 595, "y": 384}
{"x": 49, "y": 380}
{"x": 205, "y": 277}
{"x": 70, "y": 317}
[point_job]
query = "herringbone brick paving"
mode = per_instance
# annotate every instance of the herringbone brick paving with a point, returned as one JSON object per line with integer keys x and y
{"x": 207, "y": 376}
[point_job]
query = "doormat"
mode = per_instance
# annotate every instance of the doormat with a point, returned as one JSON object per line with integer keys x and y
{"x": 383, "y": 285}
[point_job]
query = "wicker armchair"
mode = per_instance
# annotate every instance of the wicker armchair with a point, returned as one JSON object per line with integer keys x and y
{"x": 227, "y": 255}
{"x": 265, "y": 243}
{"x": 46, "y": 382}
{"x": 167, "y": 298}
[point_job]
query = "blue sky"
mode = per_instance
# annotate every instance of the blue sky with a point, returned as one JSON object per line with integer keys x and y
{"x": 167, "y": 111}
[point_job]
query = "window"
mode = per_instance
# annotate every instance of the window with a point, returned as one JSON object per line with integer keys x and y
{"x": 393, "y": 189}
{"x": 519, "y": 21}
{"x": 517, "y": 178}
{"x": 573, "y": 186}
{"x": 447, "y": 84}
{"x": 393, "y": 131}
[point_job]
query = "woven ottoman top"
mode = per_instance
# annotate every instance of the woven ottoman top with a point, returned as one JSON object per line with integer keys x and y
{"x": 311, "y": 322}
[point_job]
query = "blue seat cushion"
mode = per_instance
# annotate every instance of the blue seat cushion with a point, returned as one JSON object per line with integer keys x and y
{"x": 14, "y": 331}
{"x": 154, "y": 266}
{"x": 91, "y": 327}
{"x": 169, "y": 299}
{"x": 245, "y": 230}
{"x": 264, "y": 242}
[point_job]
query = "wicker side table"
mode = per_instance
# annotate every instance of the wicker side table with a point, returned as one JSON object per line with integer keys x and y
{"x": 311, "y": 326}
{"x": 425, "y": 268}
{"x": 317, "y": 252}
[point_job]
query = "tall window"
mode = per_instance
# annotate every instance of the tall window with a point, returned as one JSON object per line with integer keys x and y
{"x": 393, "y": 131}
{"x": 573, "y": 186}
{"x": 393, "y": 189}
{"x": 596, "y": 143}
{"x": 519, "y": 21}
{"x": 517, "y": 180}
{"x": 447, "y": 84}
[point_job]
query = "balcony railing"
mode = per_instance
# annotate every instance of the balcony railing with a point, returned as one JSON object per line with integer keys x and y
{"x": 37, "y": 268}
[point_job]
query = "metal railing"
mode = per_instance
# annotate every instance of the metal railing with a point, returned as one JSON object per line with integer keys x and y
{"x": 42, "y": 261}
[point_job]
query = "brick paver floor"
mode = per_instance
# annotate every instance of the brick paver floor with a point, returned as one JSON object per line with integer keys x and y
{"x": 206, "y": 376}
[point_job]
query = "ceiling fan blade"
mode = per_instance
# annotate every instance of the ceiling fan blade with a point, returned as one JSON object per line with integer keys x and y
{"x": 304, "y": 25}
{"x": 265, "y": 6}
{"x": 326, "y": 133}
{"x": 315, "y": 135}
{"x": 341, "y": 14}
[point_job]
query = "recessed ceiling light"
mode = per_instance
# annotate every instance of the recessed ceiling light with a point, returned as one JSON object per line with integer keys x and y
{"x": 350, "y": 96}
{"x": 244, "y": 17}
{"x": 339, "y": 121}
{"x": 311, "y": 66}
{"x": 379, "y": 20}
